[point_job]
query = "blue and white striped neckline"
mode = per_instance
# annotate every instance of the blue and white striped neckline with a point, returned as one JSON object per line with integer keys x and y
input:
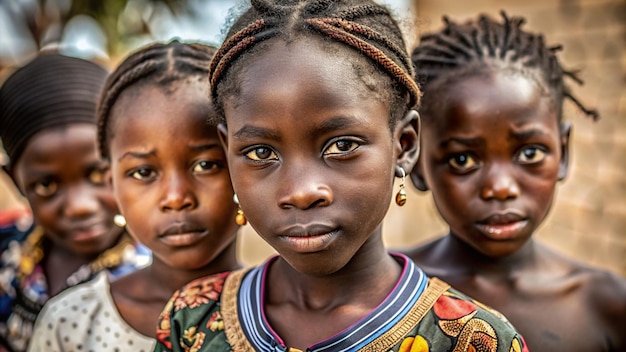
{"x": 399, "y": 301}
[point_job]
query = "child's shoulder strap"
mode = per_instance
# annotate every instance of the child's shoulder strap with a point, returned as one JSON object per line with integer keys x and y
{"x": 423, "y": 305}
{"x": 234, "y": 333}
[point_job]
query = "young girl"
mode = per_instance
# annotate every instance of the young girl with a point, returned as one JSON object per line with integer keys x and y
{"x": 494, "y": 148}
{"x": 315, "y": 101}
{"x": 48, "y": 128}
{"x": 170, "y": 179}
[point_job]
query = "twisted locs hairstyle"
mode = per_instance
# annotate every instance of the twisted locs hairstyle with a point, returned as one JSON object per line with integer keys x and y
{"x": 160, "y": 64}
{"x": 460, "y": 49}
{"x": 366, "y": 27}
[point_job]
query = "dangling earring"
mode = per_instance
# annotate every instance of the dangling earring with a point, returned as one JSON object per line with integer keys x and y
{"x": 240, "y": 218}
{"x": 119, "y": 220}
{"x": 401, "y": 195}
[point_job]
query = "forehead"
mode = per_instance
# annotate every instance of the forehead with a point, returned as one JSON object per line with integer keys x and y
{"x": 63, "y": 150}
{"x": 148, "y": 115}
{"x": 492, "y": 96}
{"x": 320, "y": 73}
{"x": 173, "y": 105}
{"x": 54, "y": 143}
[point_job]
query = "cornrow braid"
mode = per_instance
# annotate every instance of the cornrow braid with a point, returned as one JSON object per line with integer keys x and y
{"x": 160, "y": 64}
{"x": 457, "y": 49}
{"x": 362, "y": 25}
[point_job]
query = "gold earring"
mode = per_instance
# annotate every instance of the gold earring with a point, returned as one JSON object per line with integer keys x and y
{"x": 119, "y": 220}
{"x": 401, "y": 195}
{"x": 240, "y": 218}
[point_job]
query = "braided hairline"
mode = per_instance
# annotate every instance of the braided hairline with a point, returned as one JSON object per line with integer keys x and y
{"x": 248, "y": 31}
{"x": 261, "y": 29}
{"x": 363, "y": 30}
{"x": 167, "y": 62}
{"x": 325, "y": 25}
{"x": 111, "y": 94}
{"x": 455, "y": 46}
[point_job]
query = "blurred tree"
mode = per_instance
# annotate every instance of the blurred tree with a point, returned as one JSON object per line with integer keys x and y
{"x": 34, "y": 24}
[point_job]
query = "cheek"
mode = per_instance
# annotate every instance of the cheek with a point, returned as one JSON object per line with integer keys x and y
{"x": 127, "y": 198}
{"x": 106, "y": 198}
{"x": 44, "y": 211}
{"x": 217, "y": 194}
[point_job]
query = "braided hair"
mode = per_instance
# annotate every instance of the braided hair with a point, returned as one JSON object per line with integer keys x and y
{"x": 362, "y": 25}
{"x": 465, "y": 49}
{"x": 160, "y": 64}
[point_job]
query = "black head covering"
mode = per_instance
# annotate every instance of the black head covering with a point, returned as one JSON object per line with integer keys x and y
{"x": 49, "y": 91}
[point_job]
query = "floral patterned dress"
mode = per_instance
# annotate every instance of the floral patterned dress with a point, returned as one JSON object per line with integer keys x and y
{"x": 191, "y": 320}
{"x": 24, "y": 288}
{"x": 421, "y": 314}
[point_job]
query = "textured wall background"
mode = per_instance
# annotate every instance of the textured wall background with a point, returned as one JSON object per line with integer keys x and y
{"x": 588, "y": 219}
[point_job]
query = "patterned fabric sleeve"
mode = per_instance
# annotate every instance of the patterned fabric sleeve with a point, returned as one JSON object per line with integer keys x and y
{"x": 459, "y": 323}
{"x": 191, "y": 320}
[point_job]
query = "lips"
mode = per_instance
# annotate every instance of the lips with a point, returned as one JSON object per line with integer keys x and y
{"x": 182, "y": 234}
{"x": 503, "y": 225}
{"x": 308, "y": 238}
{"x": 87, "y": 232}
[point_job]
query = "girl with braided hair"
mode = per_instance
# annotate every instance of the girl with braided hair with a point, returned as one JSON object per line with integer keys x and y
{"x": 315, "y": 102}
{"x": 495, "y": 146}
{"x": 48, "y": 128}
{"x": 171, "y": 182}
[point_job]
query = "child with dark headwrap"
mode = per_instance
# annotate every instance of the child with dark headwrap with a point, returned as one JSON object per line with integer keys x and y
{"x": 48, "y": 129}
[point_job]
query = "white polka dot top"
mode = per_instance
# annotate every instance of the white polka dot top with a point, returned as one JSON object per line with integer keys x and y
{"x": 84, "y": 319}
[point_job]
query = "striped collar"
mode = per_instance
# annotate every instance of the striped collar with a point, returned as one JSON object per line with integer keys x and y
{"x": 398, "y": 302}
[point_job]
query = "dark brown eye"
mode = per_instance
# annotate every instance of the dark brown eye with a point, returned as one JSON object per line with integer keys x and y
{"x": 143, "y": 174}
{"x": 96, "y": 177}
{"x": 45, "y": 188}
{"x": 261, "y": 153}
{"x": 531, "y": 155}
{"x": 204, "y": 166}
{"x": 462, "y": 162}
{"x": 341, "y": 146}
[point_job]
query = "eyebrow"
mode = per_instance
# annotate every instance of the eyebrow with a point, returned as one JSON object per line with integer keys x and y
{"x": 137, "y": 155}
{"x": 248, "y": 131}
{"x": 470, "y": 142}
{"x": 327, "y": 126}
{"x": 336, "y": 123}
{"x": 527, "y": 134}
{"x": 201, "y": 147}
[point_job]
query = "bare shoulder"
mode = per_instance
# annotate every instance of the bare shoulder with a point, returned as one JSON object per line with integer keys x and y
{"x": 428, "y": 256}
{"x": 604, "y": 292}
{"x": 422, "y": 253}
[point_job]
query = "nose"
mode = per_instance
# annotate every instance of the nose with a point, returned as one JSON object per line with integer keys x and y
{"x": 303, "y": 188}
{"x": 81, "y": 201}
{"x": 500, "y": 184}
{"x": 177, "y": 194}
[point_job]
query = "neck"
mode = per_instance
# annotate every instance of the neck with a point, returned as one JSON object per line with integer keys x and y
{"x": 461, "y": 255}
{"x": 67, "y": 258}
{"x": 172, "y": 278}
{"x": 367, "y": 277}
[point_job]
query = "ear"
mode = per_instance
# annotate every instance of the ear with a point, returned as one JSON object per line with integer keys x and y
{"x": 407, "y": 140}
{"x": 108, "y": 175}
{"x": 566, "y": 129}
{"x": 222, "y": 132}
